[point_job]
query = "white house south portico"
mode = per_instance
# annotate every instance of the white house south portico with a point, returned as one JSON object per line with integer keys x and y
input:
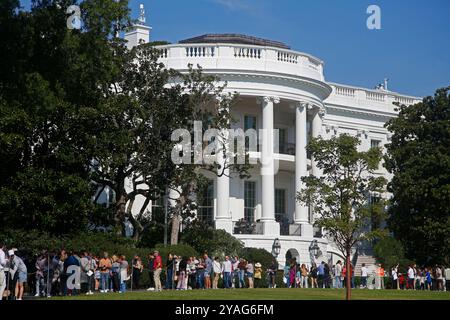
{"x": 280, "y": 89}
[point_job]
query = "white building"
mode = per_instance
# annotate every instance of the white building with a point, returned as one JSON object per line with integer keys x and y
{"x": 282, "y": 89}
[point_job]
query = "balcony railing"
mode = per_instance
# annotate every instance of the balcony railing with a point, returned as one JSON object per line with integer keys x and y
{"x": 245, "y": 227}
{"x": 317, "y": 232}
{"x": 246, "y": 57}
{"x": 287, "y": 148}
{"x": 371, "y": 96}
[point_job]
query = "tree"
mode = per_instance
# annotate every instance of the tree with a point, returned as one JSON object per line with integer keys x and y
{"x": 419, "y": 159}
{"x": 340, "y": 196}
{"x": 133, "y": 131}
{"x": 51, "y": 78}
{"x": 390, "y": 252}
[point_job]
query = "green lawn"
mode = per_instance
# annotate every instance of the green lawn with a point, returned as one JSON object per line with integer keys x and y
{"x": 269, "y": 294}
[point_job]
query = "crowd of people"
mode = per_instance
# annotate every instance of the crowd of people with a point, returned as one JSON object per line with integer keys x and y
{"x": 371, "y": 277}
{"x": 72, "y": 273}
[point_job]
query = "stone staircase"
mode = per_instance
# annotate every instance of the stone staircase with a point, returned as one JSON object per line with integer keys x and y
{"x": 369, "y": 260}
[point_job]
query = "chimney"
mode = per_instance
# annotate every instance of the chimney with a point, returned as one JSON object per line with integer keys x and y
{"x": 140, "y": 33}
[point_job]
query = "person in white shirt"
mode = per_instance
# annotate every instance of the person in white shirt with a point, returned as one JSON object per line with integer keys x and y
{"x": 2, "y": 271}
{"x": 337, "y": 275}
{"x": 217, "y": 269}
{"x": 363, "y": 276}
{"x": 411, "y": 277}
{"x": 439, "y": 278}
{"x": 394, "y": 274}
{"x": 447, "y": 278}
{"x": 227, "y": 268}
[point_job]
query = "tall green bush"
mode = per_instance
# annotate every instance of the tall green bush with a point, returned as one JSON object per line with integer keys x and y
{"x": 216, "y": 242}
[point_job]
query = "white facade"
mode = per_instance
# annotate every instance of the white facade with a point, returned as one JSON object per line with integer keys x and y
{"x": 283, "y": 89}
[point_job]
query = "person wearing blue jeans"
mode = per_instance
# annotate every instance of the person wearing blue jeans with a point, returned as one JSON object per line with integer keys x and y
{"x": 123, "y": 273}
{"x": 104, "y": 281}
{"x": 169, "y": 272}
{"x": 227, "y": 280}
{"x": 105, "y": 268}
{"x": 201, "y": 277}
{"x": 241, "y": 278}
{"x": 227, "y": 268}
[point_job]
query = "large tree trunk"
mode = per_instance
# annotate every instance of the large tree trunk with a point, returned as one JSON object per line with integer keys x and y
{"x": 175, "y": 229}
{"x": 120, "y": 213}
{"x": 348, "y": 274}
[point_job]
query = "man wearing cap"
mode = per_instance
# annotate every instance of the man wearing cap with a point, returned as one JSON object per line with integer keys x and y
{"x": 19, "y": 267}
{"x": 2, "y": 271}
{"x": 157, "y": 268}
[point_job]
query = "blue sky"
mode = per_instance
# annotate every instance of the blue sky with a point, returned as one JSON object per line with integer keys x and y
{"x": 412, "y": 48}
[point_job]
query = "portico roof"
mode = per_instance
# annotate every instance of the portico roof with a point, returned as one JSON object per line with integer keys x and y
{"x": 235, "y": 39}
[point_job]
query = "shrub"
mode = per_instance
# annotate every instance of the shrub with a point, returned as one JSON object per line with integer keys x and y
{"x": 216, "y": 242}
{"x": 257, "y": 255}
{"x": 179, "y": 250}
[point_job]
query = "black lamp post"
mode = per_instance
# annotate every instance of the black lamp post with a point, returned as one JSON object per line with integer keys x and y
{"x": 276, "y": 248}
{"x": 314, "y": 249}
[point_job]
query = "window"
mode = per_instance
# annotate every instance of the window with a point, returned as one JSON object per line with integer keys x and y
{"x": 375, "y": 218}
{"x": 282, "y": 141}
{"x": 249, "y": 123}
{"x": 280, "y": 211}
{"x": 373, "y": 199}
{"x": 205, "y": 212}
{"x": 375, "y": 144}
{"x": 249, "y": 200}
{"x": 158, "y": 209}
{"x": 158, "y": 205}
{"x": 280, "y": 201}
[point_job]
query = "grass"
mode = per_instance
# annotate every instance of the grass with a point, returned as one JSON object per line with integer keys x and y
{"x": 268, "y": 294}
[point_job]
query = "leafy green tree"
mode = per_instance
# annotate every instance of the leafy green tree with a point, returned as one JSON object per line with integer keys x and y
{"x": 419, "y": 158}
{"x": 390, "y": 252}
{"x": 340, "y": 196}
{"x": 51, "y": 78}
{"x": 134, "y": 127}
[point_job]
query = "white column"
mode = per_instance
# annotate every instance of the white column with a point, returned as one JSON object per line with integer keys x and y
{"x": 223, "y": 217}
{"x": 270, "y": 226}
{"x": 301, "y": 169}
{"x": 316, "y": 132}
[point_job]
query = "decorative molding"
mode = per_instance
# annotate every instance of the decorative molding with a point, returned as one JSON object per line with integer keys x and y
{"x": 304, "y": 104}
{"x": 375, "y": 114}
{"x": 322, "y": 112}
{"x": 334, "y": 128}
{"x": 267, "y": 99}
{"x": 363, "y": 132}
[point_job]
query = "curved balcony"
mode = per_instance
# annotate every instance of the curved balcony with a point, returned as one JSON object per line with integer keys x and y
{"x": 226, "y": 57}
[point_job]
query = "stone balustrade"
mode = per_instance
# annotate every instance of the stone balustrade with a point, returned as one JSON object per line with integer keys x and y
{"x": 361, "y": 97}
{"x": 242, "y": 58}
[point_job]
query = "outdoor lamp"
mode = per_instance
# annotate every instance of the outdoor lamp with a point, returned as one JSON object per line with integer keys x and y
{"x": 315, "y": 249}
{"x": 276, "y": 247}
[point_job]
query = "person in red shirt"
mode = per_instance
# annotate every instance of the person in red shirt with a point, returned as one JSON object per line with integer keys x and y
{"x": 157, "y": 268}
